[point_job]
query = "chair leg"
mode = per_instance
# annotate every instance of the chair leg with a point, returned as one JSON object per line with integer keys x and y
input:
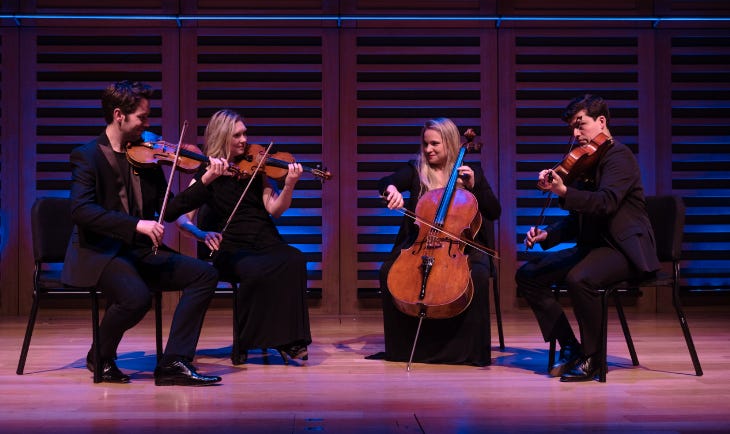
{"x": 28, "y": 332}
{"x": 498, "y": 309}
{"x": 625, "y": 328}
{"x": 603, "y": 370}
{"x": 158, "y": 325}
{"x": 95, "y": 335}
{"x": 235, "y": 348}
{"x": 683, "y": 322}
{"x": 551, "y": 351}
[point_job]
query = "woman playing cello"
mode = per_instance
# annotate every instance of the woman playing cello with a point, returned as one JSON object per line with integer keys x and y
{"x": 464, "y": 338}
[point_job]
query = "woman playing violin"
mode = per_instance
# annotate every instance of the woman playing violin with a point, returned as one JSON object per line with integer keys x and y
{"x": 272, "y": 309}
{"x": 465, "y": 338}
{"x": 613, "y": 235}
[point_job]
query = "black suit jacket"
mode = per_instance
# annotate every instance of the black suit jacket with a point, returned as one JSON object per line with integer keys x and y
{"x": 100, "y": 210}
{"x": 613, "y": 212}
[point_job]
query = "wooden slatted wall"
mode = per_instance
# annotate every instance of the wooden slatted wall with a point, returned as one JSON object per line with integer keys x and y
{"x": 9, "y": 160}
{"x": 67, "y": 70}
{"x": 699, "y": 65}
{"x": 543, "y": 70}
{"x": 400, "y": 80}
{"x": 549, "y": 70}
{"x": 274, "y": 78}
{"x": 353, "y": 97}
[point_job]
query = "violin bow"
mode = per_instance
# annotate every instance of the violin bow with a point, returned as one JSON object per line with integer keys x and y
{"x": 549, "y": 198}
{"x": 172, "y": 174}
{"x": 486, "y": 250}
{"x": 245, "y": 190}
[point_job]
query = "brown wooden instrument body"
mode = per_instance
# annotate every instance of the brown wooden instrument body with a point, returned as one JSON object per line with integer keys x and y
{"x": 275, "y": 165}
{"x": 150, "y": 154}
{"x": 432, "y": 277}
{"x": 449, "y": 288}
{"x": 583, "y": 159}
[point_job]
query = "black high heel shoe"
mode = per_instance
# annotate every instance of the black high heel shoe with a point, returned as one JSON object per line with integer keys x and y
{"x": 293, "y": 352}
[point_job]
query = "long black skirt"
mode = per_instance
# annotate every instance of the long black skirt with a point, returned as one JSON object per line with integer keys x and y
{"x": 272, "y": 306}
{"x": 463, "y": 339}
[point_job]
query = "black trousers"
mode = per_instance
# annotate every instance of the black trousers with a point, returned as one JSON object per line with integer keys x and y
{"x": 583, "y": 272}
{"x": 128, "y": 281}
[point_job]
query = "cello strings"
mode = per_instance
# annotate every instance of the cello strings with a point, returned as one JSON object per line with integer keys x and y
{"x": 486, "y": 250}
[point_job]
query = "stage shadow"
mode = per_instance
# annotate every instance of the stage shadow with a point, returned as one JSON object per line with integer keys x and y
{"x": 536, "y": 360}
{"x": 364, "y": 346}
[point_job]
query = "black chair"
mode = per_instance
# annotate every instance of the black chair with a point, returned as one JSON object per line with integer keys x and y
{"x": 494, "y": 273}
{"x": 667, "y": 214}
{"x": 51, "y": 225}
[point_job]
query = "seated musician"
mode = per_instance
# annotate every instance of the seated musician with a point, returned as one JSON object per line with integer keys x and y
{"x": 464, "y": 338}
{"x": 115, "y": 241}
{"x": 614, "y": 242}
{"x": 272, "y": 275}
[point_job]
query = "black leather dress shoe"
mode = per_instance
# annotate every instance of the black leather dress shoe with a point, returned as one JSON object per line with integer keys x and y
{"x": 109, "y": 371}
{"x": 585, "y": 370}
{"x": 569, "y": 356}
{"x": 180, "y": 373}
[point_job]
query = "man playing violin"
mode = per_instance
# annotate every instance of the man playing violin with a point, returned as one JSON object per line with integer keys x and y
{"x": 116, "y": 243}
{"x": 613, "y": 235}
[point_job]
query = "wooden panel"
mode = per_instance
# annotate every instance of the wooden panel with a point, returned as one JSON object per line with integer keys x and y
{"x": 65, "y": 71}
{"x": 695, "y": 8}
{"x": 274, "y": 79}
{"x": 700, "y": 167}
{"x": 10, "y": 224}
{"x": 572, "y": 8}
{"x": 550, "y": 69}
{"x": 398, "y": 81}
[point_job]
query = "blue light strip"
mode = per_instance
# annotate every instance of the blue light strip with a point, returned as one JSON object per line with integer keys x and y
{"x": 339, "y": 19}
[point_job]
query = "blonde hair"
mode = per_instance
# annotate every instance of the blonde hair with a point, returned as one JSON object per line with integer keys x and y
{"x": 219, "y": 131}
{"x": 450, "y": 138}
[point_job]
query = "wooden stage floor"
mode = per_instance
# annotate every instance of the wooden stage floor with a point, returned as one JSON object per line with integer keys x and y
{"x": 339, "y": 391}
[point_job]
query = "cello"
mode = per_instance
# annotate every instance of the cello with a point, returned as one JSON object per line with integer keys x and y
{"x": 432, "y": 277}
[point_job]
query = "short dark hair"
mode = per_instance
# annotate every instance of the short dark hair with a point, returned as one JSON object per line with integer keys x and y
{"x": 594, "y": 106}
{"x": 124, "y": 95}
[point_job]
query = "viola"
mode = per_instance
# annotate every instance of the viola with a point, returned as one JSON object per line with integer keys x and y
{"x": 581, "y": 160}
{"x": 576, "y": 164}
{"x": 275, "y": 164}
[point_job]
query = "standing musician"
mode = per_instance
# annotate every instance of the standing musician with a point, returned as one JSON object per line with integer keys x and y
{"x": 114, "y": 239}
{"x": 272, "y": 307}
{"x": 464, "y": 338}
{"x": 614, "y": 242}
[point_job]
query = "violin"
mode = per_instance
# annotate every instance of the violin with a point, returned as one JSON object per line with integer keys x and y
{"x": 581, "y": 160}
{"x": 148, "y": 154}
{"x": 276, "y": 168}
{"x": 576, "y": 164}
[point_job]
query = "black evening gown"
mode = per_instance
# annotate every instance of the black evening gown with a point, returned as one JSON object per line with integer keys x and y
{"x": 272, "y": 306}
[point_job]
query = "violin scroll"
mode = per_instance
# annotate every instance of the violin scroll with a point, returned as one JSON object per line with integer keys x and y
{"x": 470, "y": 144}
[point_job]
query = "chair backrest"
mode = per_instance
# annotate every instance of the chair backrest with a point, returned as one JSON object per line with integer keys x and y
{"x": 51, "y": 225}
{"x": 667, "y": 215}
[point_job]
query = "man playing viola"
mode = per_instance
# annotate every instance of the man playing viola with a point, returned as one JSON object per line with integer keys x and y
{"x": 116, "y": 243}
{"x": 614, "y": 242}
